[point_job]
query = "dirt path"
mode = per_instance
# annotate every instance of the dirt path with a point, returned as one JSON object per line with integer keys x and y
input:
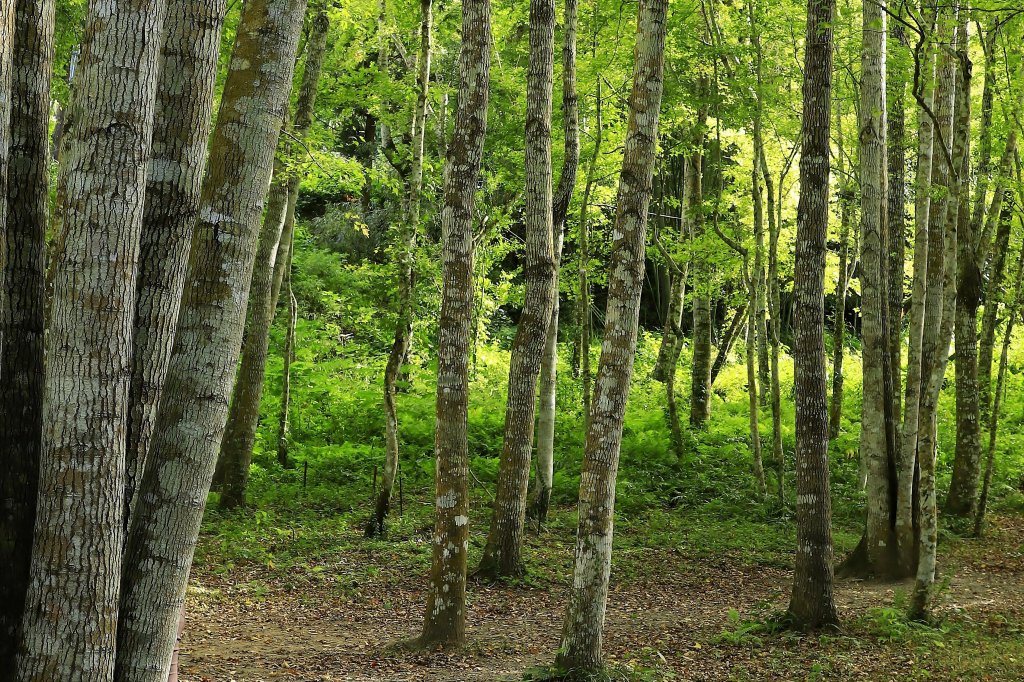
{"x": 669, "y": 616}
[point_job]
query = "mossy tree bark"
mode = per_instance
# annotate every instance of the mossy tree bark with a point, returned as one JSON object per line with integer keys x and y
{"x": 445, "y": 619}
{"x": 193, "y": 409}
{"x": 22, "y": 301}
{"x": 812, "y": 602}
{"x": 69, "y": 629}
{"x": 244, "y": 414}
{"x": 580, "y": 649}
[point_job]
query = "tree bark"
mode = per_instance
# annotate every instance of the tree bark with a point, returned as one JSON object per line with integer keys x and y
{"x": 22, "y": 301}
{"x": 244, "y": 414}
{"x": 181, "y": 131}
{"x": 846, "y": 269}
{"x": 445, "y": 619}
{"x": 503, "y": 551}
{"x": 286, "y": 372}
{"x": 193, "y": 409}
{"x": 580, "y": 649}
{"x": 538, "y": 508}
{"x": 586, "y": 318}
{"x": 70, "y": 619}
{"x": 700, "y": 374}
{"x": 811, "y": 604}
{"x": 406, "y": 276}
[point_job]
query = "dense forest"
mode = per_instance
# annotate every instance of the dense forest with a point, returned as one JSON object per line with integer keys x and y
{"x": 450, "y": 340}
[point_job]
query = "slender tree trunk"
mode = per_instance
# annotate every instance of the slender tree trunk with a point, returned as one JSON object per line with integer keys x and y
{"x": 755, "y": 431}
{"x": 503, "y": 552}
{"x": 842, "y": 286}
{"x": 406, "y": 276}
{"x": 181, "y": 131}
{"x": 875, "y": 441}
{"x": 812, "y": 604}
{"x": 538, "y": 508}
{"x": 286, "y": 373}
{"x": 22, "y": 301}
{"x": 993, "y": 268}
{"x": 940, "y": 307}
{"x": 993, "y": 424}
{"x": 70, "y": 621}
{"x": 580, "y": 649}
{"x": 445, "y": 620}
{"x": 586, "y": 319}
{"x": 193, "y": 409}
{"x": 700, "y": 374}
{"x": 244, "y": 414}
{"x": 896, "y": 83}
{"x": 739, "y": 317}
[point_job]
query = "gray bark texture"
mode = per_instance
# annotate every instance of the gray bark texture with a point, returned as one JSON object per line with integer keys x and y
{"x": 22, "y": 300}
{"x": 193, "y": 408}
{"x": 580, "y": 649}
{"x": 445, "y": 619}
{"x": 69, "y": 628}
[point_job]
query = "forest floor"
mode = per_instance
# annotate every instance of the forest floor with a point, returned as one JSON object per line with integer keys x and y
{"x": 313, "y": 601}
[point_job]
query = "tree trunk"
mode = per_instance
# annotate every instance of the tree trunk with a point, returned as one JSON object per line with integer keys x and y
{"x": 193, "y": 409}
{"x": 940, "y": 307}
{"x": 538, "y": 508}
{"x": 286, "y": 373}
{"x": 181, "y": 132}
{"x": 896, "y": 83}
{"x": 846, "y": 269}
{"x": 244, "y": 414}
{"x": 880, "y": 540}
{"x": 406, "y": 276}
{"x": 993, "y": 424}
{"x": 580, "y": 649}
{"x": 700, "y": 369}
{"x": 70, "y": 621}
{"x": 22, "y": 301}
{"x": 755, "y": 431}
{"x": 445, "y": 619}
{"x": 503, "y": 552}
{"x": 586, "y": 319}
{"x": 812, "y": 604}
{"x": 739, "y": 317}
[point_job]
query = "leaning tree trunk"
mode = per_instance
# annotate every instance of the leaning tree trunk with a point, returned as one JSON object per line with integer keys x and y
{"x": 812, "y": 604}
{"x": 538, "y": 508}
{"x": 993, "y": 424}
{"x": 940, "y": 307}
{"x": 406, "y": 277}
{"x": 181, "y": 132}
{"x": 580, "y": 649}
{"x": 244, "y": 414}
{"x": 22, "y": 300}
{"x": 445, "y": 619}
{"x": 503, "y": 551}
{"x": 286, "y": 372}
{"x": 69, "y": 630}
{"x": 193, "y": 409}
{"x": 739, "y": 319}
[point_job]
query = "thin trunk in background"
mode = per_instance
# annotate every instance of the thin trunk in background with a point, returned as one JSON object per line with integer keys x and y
{"x": 193, "y": 409}
{"x": 586, "y": 318}
{"x": 812, "y": 602}
{"x": 407, "y": 238}
{"x": 700, "y": 368}
{"x": 69, "y": 630}
{"x": 445, "y": 619}
{"x": 243, "y": 415}
{"x": 22, "y": 301}
{"x": 538, "y": 507}
{"x": 846, "y": 268}
{"x": 286, "y": 372}
{"x": 580, "y": 648}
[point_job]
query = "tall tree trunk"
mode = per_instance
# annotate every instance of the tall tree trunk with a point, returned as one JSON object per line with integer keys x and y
{"x": 244, "y": 414}
{"x": 700, "y": 372}
{"x": 286, "y": 372}
{"x": 22, "y": 301}
{"x": 755, "y": 430}
{"x": 503, "y": 552}
{"x": 406, "y": 276}
{"x": 538, "y": 508}
{"x": 445, "y": 619}
{"x": 875, "y": 441}
{"x": 940, "y": 306}
{"x": 580, "y": 649}
{"x": 896, "y": 84}
{"x": 846, "y": 269}
{"x": 993, "y": 424}
{"x": 70, "y": 622}
{"x": 907, "y": 494}
{"x": 193, "y": 409}
{"x": 993, "y": 261}
{"x": 812, "y": 604}
{"x": 583, "y": 305}
{"x": 181, "y": 132}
